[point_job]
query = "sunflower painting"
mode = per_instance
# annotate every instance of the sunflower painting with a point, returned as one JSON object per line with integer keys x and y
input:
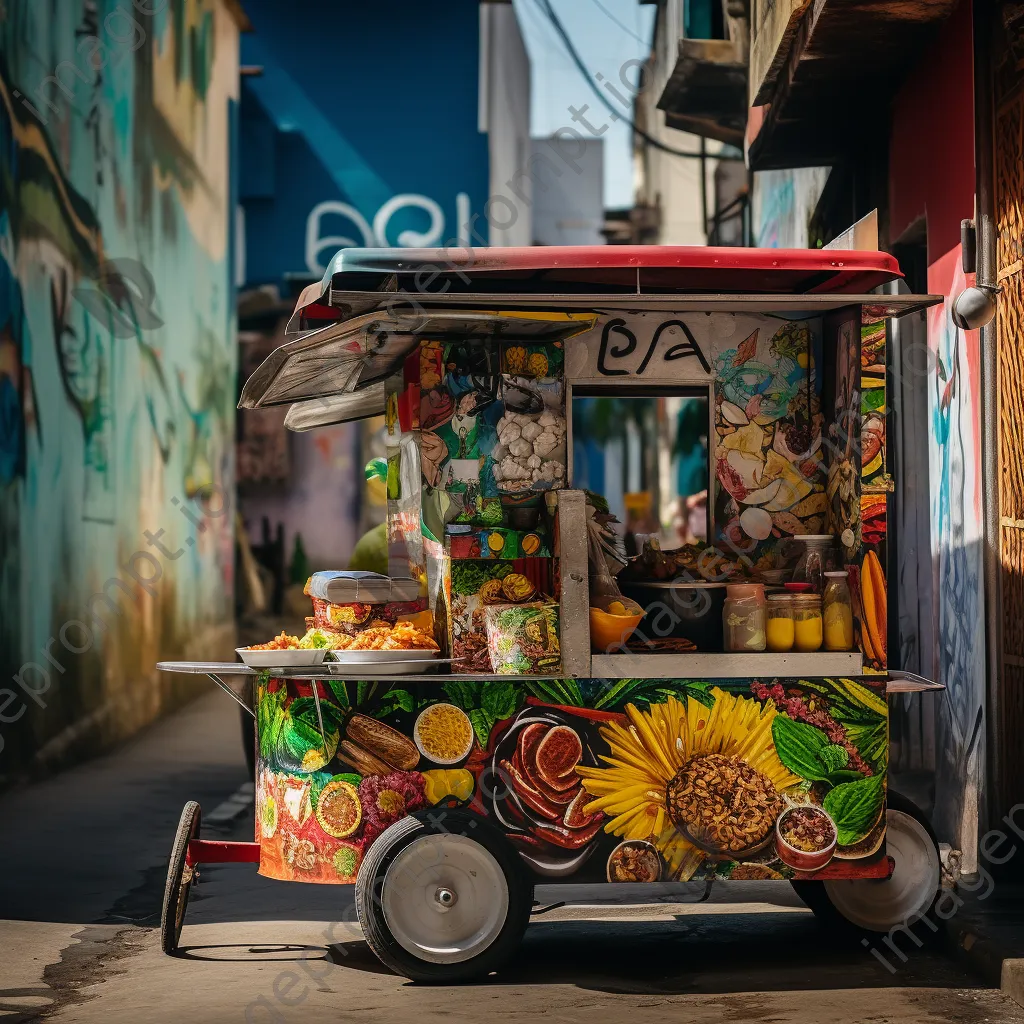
{"x": 692, "y": 780}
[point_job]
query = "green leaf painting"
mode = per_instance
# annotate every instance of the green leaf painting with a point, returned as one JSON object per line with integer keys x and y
{"x": 855, "y": 807}
{"x": 807, "y": 752}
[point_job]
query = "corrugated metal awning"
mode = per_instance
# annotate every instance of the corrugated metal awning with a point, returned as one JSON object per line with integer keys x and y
{"x": 323, "y": 412}
{"x": 349, "y": 356}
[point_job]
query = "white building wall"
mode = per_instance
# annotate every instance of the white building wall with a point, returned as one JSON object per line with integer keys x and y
{"x": 568, "y": 207}
{"x": 504, "y": 114}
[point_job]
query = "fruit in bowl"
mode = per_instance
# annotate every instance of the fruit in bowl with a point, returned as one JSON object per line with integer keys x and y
{"x": 612, "y": 622}
{"x": 805, "y": 837}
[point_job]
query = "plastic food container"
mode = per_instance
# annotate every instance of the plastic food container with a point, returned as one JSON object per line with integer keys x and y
{"x": 610, "y": 631}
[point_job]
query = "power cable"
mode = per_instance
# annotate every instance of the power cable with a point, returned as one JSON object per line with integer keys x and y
{"x": 549, "y": 12}
{"x": 625, "y": 28}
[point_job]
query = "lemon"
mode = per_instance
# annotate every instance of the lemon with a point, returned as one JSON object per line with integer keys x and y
{"x": 617, "y": 608}
{"x": 439, "y": 784}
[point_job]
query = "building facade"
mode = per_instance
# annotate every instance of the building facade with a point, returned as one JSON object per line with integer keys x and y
{"x": 117, "y": 363}
{"x": 691, "y": 185}
{"x": 904, "y": 120}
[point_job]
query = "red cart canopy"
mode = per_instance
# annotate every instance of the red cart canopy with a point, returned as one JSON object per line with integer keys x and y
{"x": 597, "y": 270}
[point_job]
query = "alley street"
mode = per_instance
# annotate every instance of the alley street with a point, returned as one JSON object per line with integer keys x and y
{"x": 81, "y": 873}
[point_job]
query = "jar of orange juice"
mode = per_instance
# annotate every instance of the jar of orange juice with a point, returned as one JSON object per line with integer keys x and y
{"x": 781, "y": 630}
{"x": 838, "y": 613}
{"x": 807, "y": 625}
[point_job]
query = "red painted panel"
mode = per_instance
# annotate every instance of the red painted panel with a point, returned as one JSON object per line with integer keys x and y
{"x": 931, "y": 159}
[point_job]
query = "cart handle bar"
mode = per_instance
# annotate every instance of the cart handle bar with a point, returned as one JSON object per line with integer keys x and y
{"x": 215, "y": 851}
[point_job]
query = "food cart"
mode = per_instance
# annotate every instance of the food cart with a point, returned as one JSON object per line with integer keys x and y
{"x": 541, "y": 707}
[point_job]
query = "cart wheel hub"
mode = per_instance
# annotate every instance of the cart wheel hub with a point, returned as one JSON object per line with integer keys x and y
{"x": 881, "y": 904}
{"x": 444, "y": 898}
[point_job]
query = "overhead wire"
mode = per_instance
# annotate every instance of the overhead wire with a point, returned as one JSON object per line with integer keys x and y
{"x": 549, "y": 13}
{"x": 625, "y": 28}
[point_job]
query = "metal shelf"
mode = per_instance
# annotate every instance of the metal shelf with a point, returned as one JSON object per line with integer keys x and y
{"x": 726, "y": 666}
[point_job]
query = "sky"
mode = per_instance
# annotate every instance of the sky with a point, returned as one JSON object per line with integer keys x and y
{"x": 606, "y": 33}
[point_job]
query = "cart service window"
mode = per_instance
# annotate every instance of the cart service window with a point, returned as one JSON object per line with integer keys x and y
{"x": 647, "y": 454}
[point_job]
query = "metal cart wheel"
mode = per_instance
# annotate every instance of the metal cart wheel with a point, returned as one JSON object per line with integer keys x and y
{"x": 442, "y": 897}
{"x": 180, "y": 876}
{"x": 879, "y": 905}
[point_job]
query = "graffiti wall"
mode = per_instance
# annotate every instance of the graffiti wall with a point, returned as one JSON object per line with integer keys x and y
{"x": 954, "y": 403}
{"x": 117, "y": 361}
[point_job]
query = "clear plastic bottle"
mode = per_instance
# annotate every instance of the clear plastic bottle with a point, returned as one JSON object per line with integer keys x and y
{"x": 838, "y": 612}
{"x": 813, "y": 560}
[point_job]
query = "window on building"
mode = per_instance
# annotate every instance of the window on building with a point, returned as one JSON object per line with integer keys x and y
{"x": 703, "y": 19}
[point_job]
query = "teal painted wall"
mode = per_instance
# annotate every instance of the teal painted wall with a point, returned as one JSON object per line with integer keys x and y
{"x": 117, "y": 363}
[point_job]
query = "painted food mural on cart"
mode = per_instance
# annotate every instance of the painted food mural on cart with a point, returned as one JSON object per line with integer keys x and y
{"x": 769, "y": 471}
{"x": 591, "y": 780}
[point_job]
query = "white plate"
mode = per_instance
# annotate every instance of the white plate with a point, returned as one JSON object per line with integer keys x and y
{"x": 378, "y": 657}
{"x": 282, "y": 659}
{"x": 398, "y": 663}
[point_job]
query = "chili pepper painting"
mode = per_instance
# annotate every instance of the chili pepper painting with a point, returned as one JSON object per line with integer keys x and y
{"x": 873, "y": 401}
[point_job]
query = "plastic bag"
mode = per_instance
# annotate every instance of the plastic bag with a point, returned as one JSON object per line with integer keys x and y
{"x": 522, "y": 639}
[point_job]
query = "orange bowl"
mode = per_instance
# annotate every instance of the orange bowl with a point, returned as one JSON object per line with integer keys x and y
{"x": 609, "y": 631}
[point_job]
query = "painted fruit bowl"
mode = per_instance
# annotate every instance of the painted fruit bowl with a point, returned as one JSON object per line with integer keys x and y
{"x": 805, "y": 837}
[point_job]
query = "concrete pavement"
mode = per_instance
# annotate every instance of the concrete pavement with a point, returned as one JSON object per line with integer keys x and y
{"x": 82, "y": 860}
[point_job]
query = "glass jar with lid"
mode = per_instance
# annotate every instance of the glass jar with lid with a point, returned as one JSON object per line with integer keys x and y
{"x": 838, "y": 613}
{"x": 807, "y": 625}
{"x": 743, "y": 617}
{"x": 813, "y": 561}
{"x": 780, "y": 629}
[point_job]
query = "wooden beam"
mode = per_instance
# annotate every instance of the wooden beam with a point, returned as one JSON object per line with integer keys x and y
{"x": 844, "y": 60}
{"x": 574, "y": 613}
{"x": 770, "y": 38}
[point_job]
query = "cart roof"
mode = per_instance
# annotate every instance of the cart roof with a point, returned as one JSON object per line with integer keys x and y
{"x": 352, "y": 329}
{"x": 598, "y": 270}
{"x": 664, "y": 268}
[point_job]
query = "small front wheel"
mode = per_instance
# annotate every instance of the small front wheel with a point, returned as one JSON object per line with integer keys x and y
{"x": 442, "y": 897}
{"x": 180, "y": 875}
{"x": 879, "y": 905}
